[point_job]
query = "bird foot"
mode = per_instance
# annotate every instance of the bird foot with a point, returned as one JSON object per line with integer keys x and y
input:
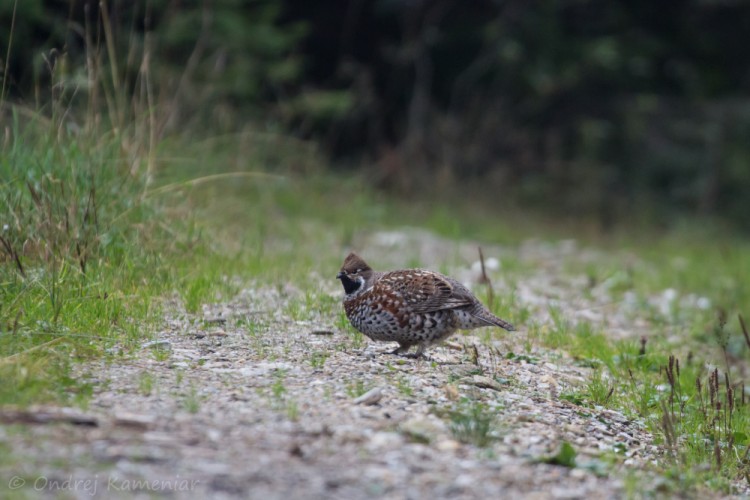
{"x": 419, "y": 356}
{"x": 401, "y": 352}
{"x": 401, "y": 349}
{"x": 412, "y": 355}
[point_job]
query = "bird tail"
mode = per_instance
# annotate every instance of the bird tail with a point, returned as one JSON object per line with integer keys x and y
{"x": 493, "y": 320}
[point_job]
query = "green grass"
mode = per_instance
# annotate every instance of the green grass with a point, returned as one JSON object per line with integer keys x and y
{"x": 191, "y": 400}
{"x": 695, "y": 406}
{"x": 682, "y": 283}
{"x": 565, "y": 457}
{"x": 73, "y": 268}
{"x": 473, "y": 422}
{"x": 356, "y": 388}
{"x": 90, "y": 249}
{"x": 145, "y": 383}
{"x": 318, "y": 359}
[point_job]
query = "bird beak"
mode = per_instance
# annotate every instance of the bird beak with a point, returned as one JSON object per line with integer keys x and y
{"x": 340, "y": 275}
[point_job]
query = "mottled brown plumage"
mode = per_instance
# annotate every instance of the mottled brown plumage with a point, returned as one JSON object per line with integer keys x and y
{"x": 410, "y": 306}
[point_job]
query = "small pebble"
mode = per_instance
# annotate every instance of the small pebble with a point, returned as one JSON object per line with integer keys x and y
{"x": 157, "y": 344}
{"x": 371, "y": 397}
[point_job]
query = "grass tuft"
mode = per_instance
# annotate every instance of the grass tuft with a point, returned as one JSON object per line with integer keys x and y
{"x": 473, "y": 422}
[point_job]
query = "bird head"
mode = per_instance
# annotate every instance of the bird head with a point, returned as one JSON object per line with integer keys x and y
{"x": 354, "y": 274}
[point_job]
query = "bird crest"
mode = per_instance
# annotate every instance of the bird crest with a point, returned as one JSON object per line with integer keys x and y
{"x": 354, "y": 264}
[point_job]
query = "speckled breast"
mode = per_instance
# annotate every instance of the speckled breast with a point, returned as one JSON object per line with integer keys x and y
{"x": 382, "y": 317}
{"x": 371, "y": 317}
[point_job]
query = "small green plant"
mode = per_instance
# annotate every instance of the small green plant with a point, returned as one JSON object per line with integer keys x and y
{"x": 599, "y": 389}
{"x": 278, "y": 389}
{"x": 578, "y": 398}
{"x": 145, "y": 383}
{"x": 318, "y": 359}
{"x": 342, "y": 322}
{"x": 292, "y": 410}
{"x": 197, "y": 291}
{"x": 561, "y": 332}
{"x": 358, "y": 340}
{"x": 295, "y": 310}
{"x": 565, "y": 457}
{"x": 532, "y": 360}
{"x": 161, "y": 353}
{"x": 356, "y": 388}
{"x": 472, "y": 422}
{"x": 325, "y": 304}
{"x": 191, "y": 401}
{"x": 403, "y": 386}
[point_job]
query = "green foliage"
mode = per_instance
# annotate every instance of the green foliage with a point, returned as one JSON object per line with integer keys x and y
{"x": 236, "y": 52}
{"x": 318, "y": 359}
{"x": 191, "y": 400}
{"x": 700, "y": 415}
{"x": 704, "y": 420}
{"x": 318, "y": 108}
{"x": 73, "y": 256}
{"x": 404, "y": 387}
{"x": 201, "y": 63}
{"x": 145, "y": 383}
{"x": 566, "y": 456}
{"x": 473, "y": 422}
{"x": 505, "y": 102}
{"x": 356, "y": 388}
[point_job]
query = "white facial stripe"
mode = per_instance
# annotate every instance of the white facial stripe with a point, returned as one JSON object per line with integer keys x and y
{"x": 360, "y": 284}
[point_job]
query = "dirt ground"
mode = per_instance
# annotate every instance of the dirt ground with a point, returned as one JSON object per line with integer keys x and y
{"x": 247, "y": 402}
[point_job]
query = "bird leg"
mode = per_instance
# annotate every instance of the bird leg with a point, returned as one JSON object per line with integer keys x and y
{"x": 419, "y": 354}
{"x": 403, "y": 348}
{"x": 420, "y": 350}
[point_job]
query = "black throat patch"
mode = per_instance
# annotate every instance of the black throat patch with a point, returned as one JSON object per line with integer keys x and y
{"x": 350, "y": 285}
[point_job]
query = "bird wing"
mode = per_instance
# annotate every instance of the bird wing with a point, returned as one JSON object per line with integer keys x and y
{"x": 426, "y": 291}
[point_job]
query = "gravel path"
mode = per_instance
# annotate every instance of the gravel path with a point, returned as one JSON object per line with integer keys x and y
{"x": 247, "y": 402}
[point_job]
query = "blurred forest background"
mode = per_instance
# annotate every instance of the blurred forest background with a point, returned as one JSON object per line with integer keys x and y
{"x": 598, "y": 108}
